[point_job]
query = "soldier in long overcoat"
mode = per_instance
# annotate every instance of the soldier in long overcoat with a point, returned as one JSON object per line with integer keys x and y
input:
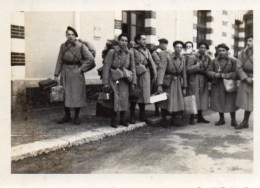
{"x": 119, "y": 57}
{"x": 245, "y": 67}
{"x": 174, "y": 69}
{"x": 223, "y": 67}
{"x": 197, "y": 66}
{"x": 142, "y": 56}
{"x": 159, "y": 54}
{"x": 74, "y": 60}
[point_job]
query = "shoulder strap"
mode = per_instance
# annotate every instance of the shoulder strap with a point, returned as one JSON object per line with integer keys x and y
{"x": 229, "y": 60}
{"x": 75, "y": 54}
{"x": 142, "y": 53}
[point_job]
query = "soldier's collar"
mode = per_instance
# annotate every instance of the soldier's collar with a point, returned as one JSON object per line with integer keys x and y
{"x": 177, "y": 55}
{"x": 119, "y": 49}
{"x": 139, "y": 47}
{"x": 198, "y": 54}
{"x": 73, "y": 43}
{"x": 226, "y": 57}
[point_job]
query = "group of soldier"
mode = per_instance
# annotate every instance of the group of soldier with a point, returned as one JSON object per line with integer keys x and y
{"x": 181, "y": 73}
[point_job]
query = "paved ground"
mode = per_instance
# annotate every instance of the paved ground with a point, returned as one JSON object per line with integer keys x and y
{"x": 42, "y": 125}
{"x": 203, "y": 148}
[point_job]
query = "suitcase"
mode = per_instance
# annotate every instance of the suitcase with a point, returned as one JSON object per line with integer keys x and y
{"x": 45, "y": 84}
{"x": 104, "y": 96}
{"x": 57, "y": 94}
{"x": 158, "y": 97}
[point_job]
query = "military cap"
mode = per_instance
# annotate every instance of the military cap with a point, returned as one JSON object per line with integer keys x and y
{"x": 203, "y": 43}
{"x": 188, "y": 42}
{"x": 222, "y": 46}
{"x": 73, "y": 30}
{"x": 163, "y": 40}
{"x": 178, "y": 42}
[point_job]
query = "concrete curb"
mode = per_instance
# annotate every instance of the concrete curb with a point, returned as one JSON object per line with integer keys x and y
{"x": 45, "y": 146}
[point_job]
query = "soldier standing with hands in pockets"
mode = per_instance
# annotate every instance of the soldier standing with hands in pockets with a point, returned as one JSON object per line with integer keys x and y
{"x": 74, "y": 60}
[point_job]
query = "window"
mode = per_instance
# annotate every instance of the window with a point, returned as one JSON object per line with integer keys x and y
{"x": 133, "y": 23}
{"x": 201, "y": 26}
{"x": 236, "y": 37}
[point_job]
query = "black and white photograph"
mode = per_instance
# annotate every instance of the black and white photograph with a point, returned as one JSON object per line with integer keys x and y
{"x": 132, "y": 91}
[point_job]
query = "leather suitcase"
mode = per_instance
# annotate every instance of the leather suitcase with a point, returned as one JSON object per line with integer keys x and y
{"x": 45, "y": 84}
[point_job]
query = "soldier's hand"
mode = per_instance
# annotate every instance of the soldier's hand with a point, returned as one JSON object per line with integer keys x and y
{"x": 223, "y": 76}
{"x": 133, "y": 86}
{"x": 199, "y": 64}
{"x": 184, "y": 91}
{"x": 249, "y": 81}
{"x": 56, "y": 78}
{"x": 154, "y": 80}
{"x": 159, "y": 89}
{"x": 217, "y": 75}
{"x": 106, "y": 87}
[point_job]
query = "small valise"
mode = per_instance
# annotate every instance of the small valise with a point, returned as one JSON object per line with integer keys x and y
{"x": 158, "y": 97}
{"x": 48, "y": 83}
{"x": 57, "y": 94}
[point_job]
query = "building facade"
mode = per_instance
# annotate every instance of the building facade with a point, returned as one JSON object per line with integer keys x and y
{"x": 36, "y": 38}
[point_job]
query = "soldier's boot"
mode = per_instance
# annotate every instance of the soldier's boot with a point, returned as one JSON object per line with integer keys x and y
{"x": 66, "y": 118}
{"x": 174, "y": 118}
{"x": 201, "y": 119}
{"x": 132, "y": 113}
{"x": 233, "y": 119}
{"x": 164, "y": 122}
{"x": 221, "y": 120}
{"x": 113, "y": 119}
{"x": 244, "y": 123}
{"x": 192, "y": 119}
{"x": 76, "y": 118}
{"x": 122, "y": 119}
{"x": 142, "y": 112}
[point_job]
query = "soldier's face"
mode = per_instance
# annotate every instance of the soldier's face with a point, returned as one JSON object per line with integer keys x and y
{"x": 142, "y": 41}
{"x": 178, "y": 48}
{"x": 222, "y": 52}
{"x": 202, "y": 49}
{"x": 189, "y": 47}
{"x": 123, "y": 42}
{"x": 163, "y": 46}
{"x": 131, "y": 44}
{"x": 250, "y": 42}
{"x": 70, "y": 36}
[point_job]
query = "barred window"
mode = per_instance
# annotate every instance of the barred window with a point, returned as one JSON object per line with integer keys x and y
{"x": 201, "y": 26}
{"x": 133, "y": 23}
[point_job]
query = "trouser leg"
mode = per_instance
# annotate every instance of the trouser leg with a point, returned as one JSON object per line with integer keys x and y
{"x": 76, "y": 118}
{"x": 122, "y": 119}
{"x": 221, "y": 120}
{"x": 113, "y": 119}
{"x": 233, "y": 119}
{"x": 142, "y": 112}
{"x": 66, "y": 118}
{"x": 132, "y": 113}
